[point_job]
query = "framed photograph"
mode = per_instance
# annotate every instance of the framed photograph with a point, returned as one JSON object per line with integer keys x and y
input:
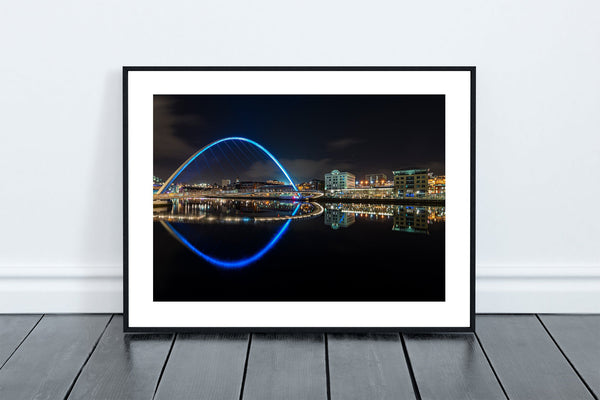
{"x": 299, "y": 198}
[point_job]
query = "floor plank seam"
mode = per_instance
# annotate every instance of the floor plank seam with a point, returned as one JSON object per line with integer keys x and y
{"x": 411, "y": 372}
{"x": 327, "y": 374}
{"x": 246, "y": 366}
{"x": 21, "y": 342}
{"x": 491, "y": 366}
{"x": 566, "y": 358}
{"x": 87, "y": 358}
{"x": 164, "y": 367}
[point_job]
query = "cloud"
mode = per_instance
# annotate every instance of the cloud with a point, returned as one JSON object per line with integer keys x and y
{"x": 166, "y": 143}
{"x": 343, "y": 143}
{"x": 300, "y": 169}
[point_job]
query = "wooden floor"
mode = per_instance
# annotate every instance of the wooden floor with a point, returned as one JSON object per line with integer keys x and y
{"x": 510, "y": 356}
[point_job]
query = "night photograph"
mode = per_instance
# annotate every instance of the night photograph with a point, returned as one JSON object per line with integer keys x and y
{"x": 299, "y": 197}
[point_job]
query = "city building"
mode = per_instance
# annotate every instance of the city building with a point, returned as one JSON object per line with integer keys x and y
{"x": 437, "y": 185}
{"x": 275, "y": 182}
{"x": 156, "y": 183}
{"x": 314, "y": 184}
{"x": 339, "y": 180}
{"x": 248, "y": 185}
{"x": 375, "y": 179}
{"x": 363, "y": 193}
{"x": 196, "y": 186}
{"x": 275, "y": 188}
{"x": 225, "y": 182}
{"x": 411, "y": 183}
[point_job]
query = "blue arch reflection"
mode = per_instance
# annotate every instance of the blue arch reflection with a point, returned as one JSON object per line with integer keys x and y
{"x": 236, "y": 263}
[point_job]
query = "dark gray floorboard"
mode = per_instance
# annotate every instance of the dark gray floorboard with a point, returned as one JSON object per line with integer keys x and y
{"x": 203, "y": 366}
{"x": 368, "y": 366}
{"x": 46, "y": 364}
{"x": 579, "y": 338}
{"x": 451, "y": 366}
{"x": 123, "y": 366}
{"x": 13, "y": 329}
{"x": 286, "y": 366}
{"x": 526, "y": 360}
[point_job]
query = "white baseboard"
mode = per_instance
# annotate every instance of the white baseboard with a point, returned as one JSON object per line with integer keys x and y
{"x": 52, "y": 289}
{"x": 538, "y": 289}
{"x": 506, "y": 289}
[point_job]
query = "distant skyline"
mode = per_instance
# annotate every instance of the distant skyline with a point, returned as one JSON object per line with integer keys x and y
{"x": 309, "y": 135}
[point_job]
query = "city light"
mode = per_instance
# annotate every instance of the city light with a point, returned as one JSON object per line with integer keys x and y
{"x": 231, "y": 264}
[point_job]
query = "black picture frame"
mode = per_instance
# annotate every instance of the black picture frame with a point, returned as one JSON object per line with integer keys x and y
{"x": 126, "y": 320}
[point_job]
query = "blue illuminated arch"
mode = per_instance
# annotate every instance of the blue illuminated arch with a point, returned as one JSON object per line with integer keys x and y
{"x": 202, "y": 150}
{"x": 236, "y": 263}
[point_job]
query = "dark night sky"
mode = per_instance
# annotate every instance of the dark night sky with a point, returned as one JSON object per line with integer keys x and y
{"x": 310, "y": 135}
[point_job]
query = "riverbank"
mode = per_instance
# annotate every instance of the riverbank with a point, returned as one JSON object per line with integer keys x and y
{"x": 411, "y": 201}
{"x": 323, "y": 199}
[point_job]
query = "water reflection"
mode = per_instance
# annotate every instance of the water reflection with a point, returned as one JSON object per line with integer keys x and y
{"x": 234, "y": 211}
{"x": 409, "y": 219}
{"x": 242, "y": 262}
{"x": 244, "y": 250}
{"x": 176, "y": 215}
{"x": 337, "y": 218}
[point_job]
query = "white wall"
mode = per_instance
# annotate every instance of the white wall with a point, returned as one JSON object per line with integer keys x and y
{"x": 538, "y": 127}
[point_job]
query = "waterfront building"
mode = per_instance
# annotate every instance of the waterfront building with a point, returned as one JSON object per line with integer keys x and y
{"x": 275, "y": 182}
{"x": 376, "y": 179}
{"x": 248, "y": 185}
{"x": 225, "y": 182}
{"x": 194, "y": 187}
{"x": 275, "y": 188}
{"x": 437, "y": 185}
{"x": 339, "y": 180}
{"x": 156, "y": 183}
{"x": 314, "y": 184}
{"x": 411, "y": 183}
{"x": 363, "y": 193}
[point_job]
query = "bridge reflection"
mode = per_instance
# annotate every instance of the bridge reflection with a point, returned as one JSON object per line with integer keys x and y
{"x": 242, "y": 262}
{"x": 235, "y": 211}
{"x": 177, "y": 213}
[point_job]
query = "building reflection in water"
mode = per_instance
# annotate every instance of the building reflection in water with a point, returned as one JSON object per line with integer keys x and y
{"x": 193, "y": 210}
{"x": 411, "y": 219}
{"x": 405, "y": 218}
{"x": 338, "y": 218}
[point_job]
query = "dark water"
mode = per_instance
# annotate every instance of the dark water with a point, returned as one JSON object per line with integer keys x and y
{"x": 351, "y": 252}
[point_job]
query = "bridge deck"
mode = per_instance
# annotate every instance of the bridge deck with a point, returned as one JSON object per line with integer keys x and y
{"x": 510, "y": 356}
